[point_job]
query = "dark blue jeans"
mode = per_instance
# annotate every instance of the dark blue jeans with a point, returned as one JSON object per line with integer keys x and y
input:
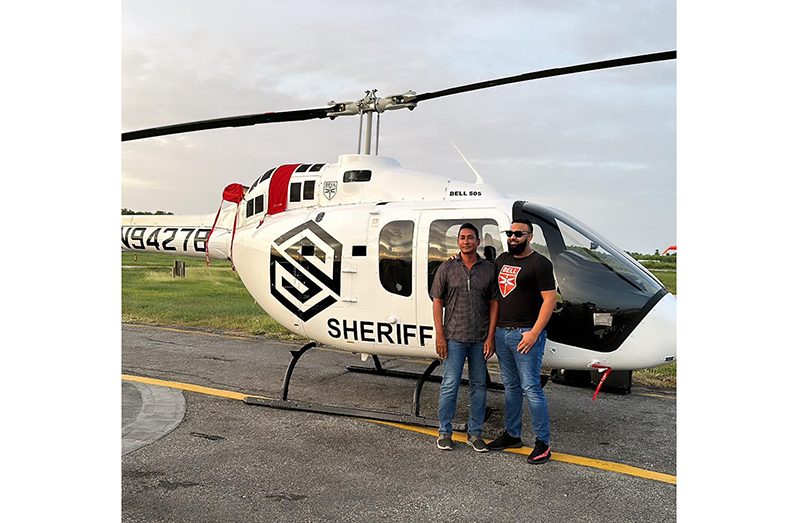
{"x": 477, "y": 376}
{"x": 521, "y": 374}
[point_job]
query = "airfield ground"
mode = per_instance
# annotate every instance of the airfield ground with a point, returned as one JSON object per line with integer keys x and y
{"x": 193, "y": 451}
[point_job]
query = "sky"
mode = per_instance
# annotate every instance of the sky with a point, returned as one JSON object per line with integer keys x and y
{"x": 600, "y": 146}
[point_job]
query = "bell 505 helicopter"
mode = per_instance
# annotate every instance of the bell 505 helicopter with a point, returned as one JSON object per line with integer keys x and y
{"x": 345, "y": 253}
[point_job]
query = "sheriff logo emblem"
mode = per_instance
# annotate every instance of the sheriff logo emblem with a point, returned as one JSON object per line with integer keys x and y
{"x": 329, "y": 189}
{"x": 305, "y": 270}
{"x": 507, "y": 279}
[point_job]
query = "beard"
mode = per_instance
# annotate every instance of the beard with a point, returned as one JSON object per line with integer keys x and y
{"x": 518, "y": 248}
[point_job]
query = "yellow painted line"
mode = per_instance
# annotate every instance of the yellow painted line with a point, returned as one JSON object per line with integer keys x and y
{"x": 189, "y": 387}
{"x": 457, "y": 436}
{"x": 556, "y": 456}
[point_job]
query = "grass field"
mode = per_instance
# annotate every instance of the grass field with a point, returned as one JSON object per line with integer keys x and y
{"x": 214, "y": 298}
{"x": 668, "y": 279}
{"x": 210, "y": 297}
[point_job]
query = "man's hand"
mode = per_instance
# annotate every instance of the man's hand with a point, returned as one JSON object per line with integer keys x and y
{"x": 489, "y": 347}
{"x": 527, "y": 341}
{"x": 440, "y": 347}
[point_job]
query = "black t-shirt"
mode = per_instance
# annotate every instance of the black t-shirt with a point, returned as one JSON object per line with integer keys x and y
{"x": 520, "y": 282}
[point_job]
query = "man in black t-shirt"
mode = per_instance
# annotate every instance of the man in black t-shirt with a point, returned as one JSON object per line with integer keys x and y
{"x": 527, "y": 297}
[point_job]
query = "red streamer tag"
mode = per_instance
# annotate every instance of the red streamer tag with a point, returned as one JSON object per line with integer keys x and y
{"x": 603, "y": 377}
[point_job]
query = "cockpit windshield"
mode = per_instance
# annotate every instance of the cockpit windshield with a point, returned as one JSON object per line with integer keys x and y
{"x": 602, "y": 292}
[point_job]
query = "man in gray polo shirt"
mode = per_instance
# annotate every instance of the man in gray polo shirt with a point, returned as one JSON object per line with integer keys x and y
{"x": 466, "y": 288}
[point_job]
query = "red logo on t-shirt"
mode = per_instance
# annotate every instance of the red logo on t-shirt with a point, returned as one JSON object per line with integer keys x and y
{"x": 507, "y": 277}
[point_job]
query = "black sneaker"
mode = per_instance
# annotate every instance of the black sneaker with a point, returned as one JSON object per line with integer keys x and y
{"x": 477, "y": 443}
{"x": 445, "y": 442}
{"x": 505, "y": 441}
{"x": 540, "y": 454}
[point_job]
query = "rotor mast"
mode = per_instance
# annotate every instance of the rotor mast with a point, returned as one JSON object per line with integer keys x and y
{"x": 367, "y": 106}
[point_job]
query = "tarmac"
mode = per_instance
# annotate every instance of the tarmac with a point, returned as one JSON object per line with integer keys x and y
{"x": 193, "y": 451}
{"x": 149, "y": 412}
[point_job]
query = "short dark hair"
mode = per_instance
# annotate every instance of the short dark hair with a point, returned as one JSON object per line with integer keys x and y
{"x": 470, "y": 226}
{"x": 525, "y": 222}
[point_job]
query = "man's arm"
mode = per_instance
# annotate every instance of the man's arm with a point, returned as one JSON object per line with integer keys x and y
{"x": 490, "y": 345}
{"x": 440, "y": 337}
{"x": 530, "y": 337}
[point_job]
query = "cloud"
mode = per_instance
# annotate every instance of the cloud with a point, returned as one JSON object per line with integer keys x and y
{"x": 611, "y": 131}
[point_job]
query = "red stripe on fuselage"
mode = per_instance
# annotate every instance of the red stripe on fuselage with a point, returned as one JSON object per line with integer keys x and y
{"x": 278, "y": 188}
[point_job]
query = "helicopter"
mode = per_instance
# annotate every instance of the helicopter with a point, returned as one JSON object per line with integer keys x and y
{"x": 345, "y": 253}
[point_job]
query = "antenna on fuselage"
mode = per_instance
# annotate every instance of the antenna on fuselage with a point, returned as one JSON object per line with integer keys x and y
{"x": 473, "y": 170}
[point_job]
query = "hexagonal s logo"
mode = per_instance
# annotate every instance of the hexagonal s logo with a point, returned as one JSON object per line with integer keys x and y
{"x": 305, "y": 270}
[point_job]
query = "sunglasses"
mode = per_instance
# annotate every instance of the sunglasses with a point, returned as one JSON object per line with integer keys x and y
{"x": 517, "y": 234}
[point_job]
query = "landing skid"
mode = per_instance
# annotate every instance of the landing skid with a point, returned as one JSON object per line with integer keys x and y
{"x": 413, "y": 419}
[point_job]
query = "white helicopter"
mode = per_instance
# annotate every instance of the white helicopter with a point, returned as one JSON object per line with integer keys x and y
{"x": 344, "y": 253}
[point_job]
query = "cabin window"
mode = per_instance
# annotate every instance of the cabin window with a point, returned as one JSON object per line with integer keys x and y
{"x": 302, "y": 168}
{"x": 296, "y": 192}
{"x": 316, "y": 167}
{"x": 443, "y": 242}
{"x": 250, "y": 208}
{"x": 396, "y": 257}
{"x": 259, "y": 204}
{"x": 357, "y": 176}
{"x": 266, "y": 175}
{"x": 307, "y": 191}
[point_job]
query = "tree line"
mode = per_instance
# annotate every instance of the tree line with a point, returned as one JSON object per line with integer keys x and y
{"x": 126, "y": 211}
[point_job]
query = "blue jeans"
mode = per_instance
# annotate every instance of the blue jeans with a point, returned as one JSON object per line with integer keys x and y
{"x": 458, "y": 351}
{"x": 521, "y": 373}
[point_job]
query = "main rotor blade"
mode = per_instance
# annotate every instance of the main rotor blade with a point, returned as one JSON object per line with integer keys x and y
{"x": 232, "y": 121}
{"x": 606, "y": 64}
{"x": 345, "y": 109}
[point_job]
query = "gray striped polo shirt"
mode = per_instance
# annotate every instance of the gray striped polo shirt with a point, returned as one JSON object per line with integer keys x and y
{"x": 466, "y": 297}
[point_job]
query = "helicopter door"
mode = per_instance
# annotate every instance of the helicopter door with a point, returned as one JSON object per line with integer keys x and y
{"x": 389, "y": 292}
{"x": 437, "y": 238}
